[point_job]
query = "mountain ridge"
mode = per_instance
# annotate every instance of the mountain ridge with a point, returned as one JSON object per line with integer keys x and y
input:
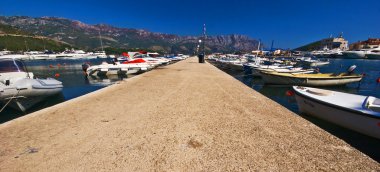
{"x": 86, "y": 36}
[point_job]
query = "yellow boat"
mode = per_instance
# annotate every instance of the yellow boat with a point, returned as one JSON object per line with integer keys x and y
{"x": 318, "y": 79}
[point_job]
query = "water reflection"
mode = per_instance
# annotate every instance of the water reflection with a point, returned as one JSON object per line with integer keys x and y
{"x": 103, "y": 80}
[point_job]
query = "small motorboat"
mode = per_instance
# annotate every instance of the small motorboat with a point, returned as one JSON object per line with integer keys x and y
{"x": 317, "y": 79}
{"x": 115, "y": 69}
{"x": 20, "y": 90}
{"x": 256, "y": 69}
{"x": 308, "y": 61}
{"x": 355, "y": 112}
{"x": 237, "y": 66}
{"x": 286, "y": 70}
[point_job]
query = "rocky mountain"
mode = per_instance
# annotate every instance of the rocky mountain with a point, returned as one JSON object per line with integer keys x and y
{"x": 87, "y": 36}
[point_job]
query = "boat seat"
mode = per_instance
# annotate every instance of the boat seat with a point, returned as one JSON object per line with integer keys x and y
{"x": 319, "y": 92}
{"x": 372, "y": 103}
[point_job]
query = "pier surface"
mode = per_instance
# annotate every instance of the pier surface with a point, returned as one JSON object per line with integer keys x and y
{"x": 183, "y": 117}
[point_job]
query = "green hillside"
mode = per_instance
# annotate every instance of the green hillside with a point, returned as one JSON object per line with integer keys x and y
{"x": 14, "y": 39}
{"x": 21, "y": 43}
{"x": 310, "y": 47}
{"x": 6, "y": 29}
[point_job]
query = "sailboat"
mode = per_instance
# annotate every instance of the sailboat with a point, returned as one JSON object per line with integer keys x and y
{"x": 100, "y": 54}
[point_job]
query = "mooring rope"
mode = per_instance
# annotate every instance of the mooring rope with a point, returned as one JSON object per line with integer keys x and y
{"x": 16, "y": 94}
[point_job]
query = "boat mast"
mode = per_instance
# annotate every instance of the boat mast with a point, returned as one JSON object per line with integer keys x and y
{"x": 26, "y": 46}
{"x": 258, "y": 48}
{"x": 101, "y": 42}
{"x": 204, "y": 39}
{"x": 271, "y": 47}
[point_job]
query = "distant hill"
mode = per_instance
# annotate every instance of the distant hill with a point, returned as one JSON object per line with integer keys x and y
{"x": 14, "y": 39}
{"x": 310, "y": 47}
{"x": 86, "y": 36}
{"x": 6, "y": 29}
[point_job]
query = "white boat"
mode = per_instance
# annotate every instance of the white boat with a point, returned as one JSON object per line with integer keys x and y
{"x": 308, "y": 61}
{"x": 293, "y": 70}
{"x": 354, "y": 54}
{"x": 152, "y": 61}
{"x": 355, "y": 112}
{"x": 75, "y": 54}
{"x": 15, "y": 56}
{"x": 313, "y": 79}
{"x": 328, "y": 53}
{"x": 5, "y": 52}
{"x": 318, "y": 79}
{"x": 362, "y": 53}
{"x": 256, "y": 69}
{"x": 100, "y": 54}
{"x": 38, "y": 55}
{"x": 115, "y": 69}
{"x": 374, "y": 54}
{"x": 19, "y": 90}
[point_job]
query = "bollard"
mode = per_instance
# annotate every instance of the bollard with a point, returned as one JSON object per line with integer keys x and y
{"x": 201, "y": 58}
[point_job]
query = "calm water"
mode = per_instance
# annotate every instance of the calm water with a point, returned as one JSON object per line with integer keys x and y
{"x": 368, "y": 86}
{"x": 70, "y": 73}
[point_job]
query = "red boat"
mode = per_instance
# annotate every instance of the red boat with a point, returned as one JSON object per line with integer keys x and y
{"x": 134, "y": 61}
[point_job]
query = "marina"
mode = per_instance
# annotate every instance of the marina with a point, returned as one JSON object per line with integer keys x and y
{"x": 218, "y": 123}
{"x": 264, "y": 86}
{"x": 369, "y": 86}
{"x": 74, "y": 81}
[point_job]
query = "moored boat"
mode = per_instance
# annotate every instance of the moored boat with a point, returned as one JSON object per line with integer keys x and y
{"x": 115, "y": 69}
{"x": 287, "y": 70}
{"x": 318, "y": 79}
{"x": 375, "y": 54}
{"x": 355, "y": 112}
{"x": 20, "y": 90}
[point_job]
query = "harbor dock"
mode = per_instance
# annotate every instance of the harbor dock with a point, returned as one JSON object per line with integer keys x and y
{"x": 182, "y": 117}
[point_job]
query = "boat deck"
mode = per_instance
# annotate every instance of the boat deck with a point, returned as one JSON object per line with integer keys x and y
{"x": 183, "y": 117}
{"x": 314, "y": 75}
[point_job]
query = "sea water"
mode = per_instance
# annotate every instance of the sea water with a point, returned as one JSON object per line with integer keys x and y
{"x": 368, "y": 87}
{"x": 70, "y": 73}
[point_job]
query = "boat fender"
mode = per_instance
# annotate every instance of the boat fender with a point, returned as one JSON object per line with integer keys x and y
{"x": 378, "y": 80}
{"x": 289, "y": 93}
{"x": 351, "y": 69}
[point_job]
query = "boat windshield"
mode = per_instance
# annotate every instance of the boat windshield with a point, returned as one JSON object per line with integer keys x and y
{"x": 10, "y": 65}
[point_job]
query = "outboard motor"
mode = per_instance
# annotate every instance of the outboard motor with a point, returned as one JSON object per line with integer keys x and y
{"x": 351, "y": 69}
{"x": 85, "y": 66}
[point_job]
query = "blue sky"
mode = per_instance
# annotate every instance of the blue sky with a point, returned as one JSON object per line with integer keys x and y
{"x": 290, "y": 23}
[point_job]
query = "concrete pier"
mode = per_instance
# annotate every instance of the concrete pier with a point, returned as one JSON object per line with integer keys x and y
{"x": 183, "y": 117}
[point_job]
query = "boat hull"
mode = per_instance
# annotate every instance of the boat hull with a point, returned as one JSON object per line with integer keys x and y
{"x": 237, "y": 67}
{"x": 29, "y": 92}
{"x": 284, "y": 80}
{"x": 354, "y": 55}
{"x": 339, "y": 116}
{"x": 373, "y": 56}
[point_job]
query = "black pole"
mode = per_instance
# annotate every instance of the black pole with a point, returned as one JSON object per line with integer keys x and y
{"x": 201, "y": 55}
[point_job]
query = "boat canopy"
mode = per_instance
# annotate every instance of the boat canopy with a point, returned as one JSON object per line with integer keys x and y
{"x": 11, "y": 65}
